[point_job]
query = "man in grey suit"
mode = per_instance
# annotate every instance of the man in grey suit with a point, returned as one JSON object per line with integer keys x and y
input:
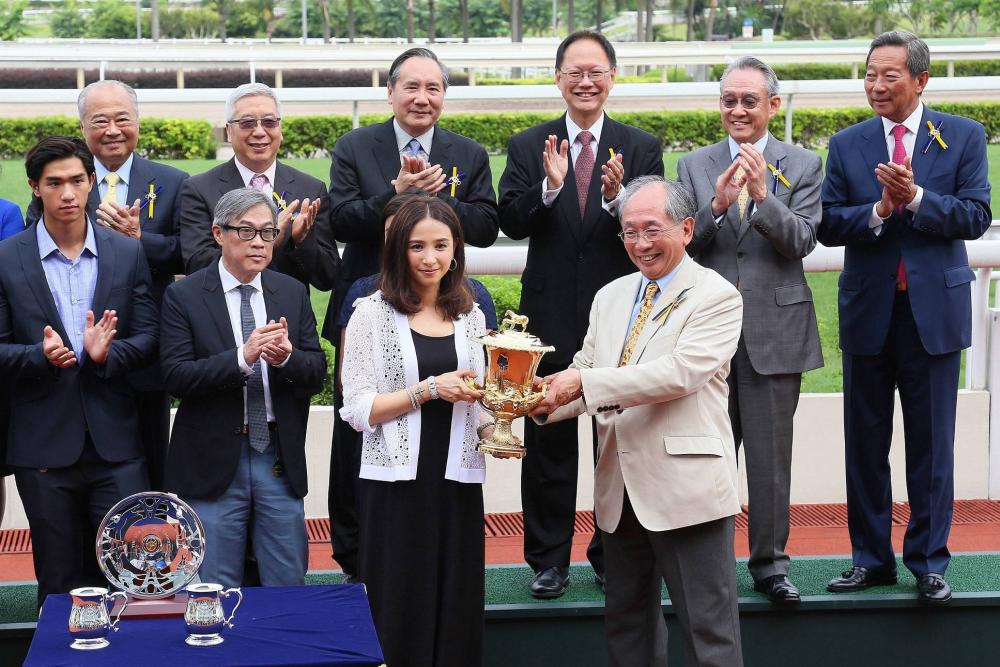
{"x": 758, "y": 209}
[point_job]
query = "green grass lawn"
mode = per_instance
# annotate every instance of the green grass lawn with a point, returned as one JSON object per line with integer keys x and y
{"x": 13, "y": 186}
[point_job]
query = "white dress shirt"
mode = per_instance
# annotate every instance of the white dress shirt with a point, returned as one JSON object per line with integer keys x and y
{"x": 230, "y": 287}
{"x": 912, "y": 125}
{"x": 124, "y": 177}
{"x": 247, "y": 174}
{"x": 575, "y": 147}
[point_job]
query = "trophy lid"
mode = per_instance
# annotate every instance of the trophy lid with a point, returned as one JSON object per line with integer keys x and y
{"x": 513, "y": 335}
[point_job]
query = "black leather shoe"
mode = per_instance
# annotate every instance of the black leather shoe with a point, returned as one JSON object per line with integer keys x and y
{"x": 550, "y": 583}
{"x": 599, "y": 580}
{"x": 860, "y": 578}
{"x": 779, "y": 589}
{"x": 932, "y": 589}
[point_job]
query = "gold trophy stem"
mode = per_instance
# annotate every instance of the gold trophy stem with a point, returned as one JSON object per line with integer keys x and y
{"x": 502, "y": 442}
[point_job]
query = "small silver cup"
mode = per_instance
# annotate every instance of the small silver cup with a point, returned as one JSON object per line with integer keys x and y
{"x": 89, "y": 622}
{"x": 204, "y": 616}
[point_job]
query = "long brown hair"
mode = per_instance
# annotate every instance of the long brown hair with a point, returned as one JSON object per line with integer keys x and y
{"x": 394, "y": 281}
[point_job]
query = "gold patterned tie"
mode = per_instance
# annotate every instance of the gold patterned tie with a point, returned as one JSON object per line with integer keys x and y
{"x": 744, "y": 196}
{"x": 112, "y": 194}
{"x": 640, "y": 320}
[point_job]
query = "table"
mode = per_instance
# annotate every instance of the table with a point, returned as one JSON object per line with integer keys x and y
{"x": 292, "y": 626}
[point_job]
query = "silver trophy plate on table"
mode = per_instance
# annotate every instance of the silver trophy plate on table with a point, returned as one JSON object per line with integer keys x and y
{"x": 150, "y": 545}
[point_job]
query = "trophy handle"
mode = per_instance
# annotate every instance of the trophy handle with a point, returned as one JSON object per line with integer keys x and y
{"x": 470, "y": 382}
{"x": 118, "y": 616}
{"x": 229, "y": 621}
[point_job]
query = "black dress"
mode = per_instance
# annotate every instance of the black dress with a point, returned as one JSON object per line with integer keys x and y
{"x": 422, "y": 545}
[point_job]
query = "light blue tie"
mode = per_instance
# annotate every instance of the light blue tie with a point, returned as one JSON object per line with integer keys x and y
{"x": 414, "y": 147}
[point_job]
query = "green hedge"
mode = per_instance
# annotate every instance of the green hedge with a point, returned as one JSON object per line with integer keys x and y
{"x": 817, "y": 71}
{"x": 162, "y": 138}
{"x": 308, "y": 136}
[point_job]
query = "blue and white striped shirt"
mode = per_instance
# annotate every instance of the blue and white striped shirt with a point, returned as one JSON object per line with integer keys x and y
{"x": 71, "y": 282}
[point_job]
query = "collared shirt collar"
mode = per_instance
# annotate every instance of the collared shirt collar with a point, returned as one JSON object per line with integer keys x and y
{"x": 46, "y": 245}
{"x": 760, "y": 145}
{"x": 912, "y": 122}
{"x": 229, "y": 281}
{"x": 124, "y": 172}
{"x": 248, "y": 174}
{"x": 403, "y": 138}
{"x": 661, "y": 282}
{"x": 572, "y": 129}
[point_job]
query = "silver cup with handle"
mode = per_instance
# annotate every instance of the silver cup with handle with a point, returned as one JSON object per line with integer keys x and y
{"x": 204, "y": 617}
{"x": 89, "y": 622}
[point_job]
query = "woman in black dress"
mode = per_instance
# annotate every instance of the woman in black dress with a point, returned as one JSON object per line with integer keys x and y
{"x": 407, "y": 349}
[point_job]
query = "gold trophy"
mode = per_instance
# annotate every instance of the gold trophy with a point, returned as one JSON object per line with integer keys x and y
{"x": 512, "y": 359}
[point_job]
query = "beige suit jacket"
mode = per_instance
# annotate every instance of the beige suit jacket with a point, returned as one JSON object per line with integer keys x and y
{"x": 662, "y": 420}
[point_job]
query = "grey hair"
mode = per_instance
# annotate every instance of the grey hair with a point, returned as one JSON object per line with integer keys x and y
{"x": 249, "y": 90}
{"x": 418, "y": 52}
{"x": 81, "y": 100}
{"x": 918, "y": 55}
{"x": 678, "y": 202}
{"x": 750, "y": 62}
{"x": 235, "y": 204}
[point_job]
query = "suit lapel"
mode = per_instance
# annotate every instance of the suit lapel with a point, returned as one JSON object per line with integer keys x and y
{"x": 441, "y": 152}
{"x": 105, "y": 270}
{"x": 138, "y": 187}
{"x": 873, "y": 148}
{"x": 215, "y": 303}
{"x": 718, "y": 161}
{"x": 284, "y": 182}
{"x": 271, "y": 298}
{"x": 385, "y": 151}
{"x": 619, "y": 318}
{"x": 682, "y": 281}
{"x": 94, "y": 200}
{"x": 229, "y": 178}
{"x": 923, "y": 164}
{"x": 34, "y": 275}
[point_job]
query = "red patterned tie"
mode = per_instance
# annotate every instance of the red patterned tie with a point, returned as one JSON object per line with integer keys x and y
{"x": 583, "y": 168}
{"x": 899, "y": 156}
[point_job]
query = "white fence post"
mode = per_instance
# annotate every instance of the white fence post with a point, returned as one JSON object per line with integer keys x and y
{"x": 977, "y": 357}
{"x": 993, "y": 384}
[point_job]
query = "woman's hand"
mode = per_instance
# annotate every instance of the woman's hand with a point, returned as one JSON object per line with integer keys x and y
{"x": 452, "y": 388}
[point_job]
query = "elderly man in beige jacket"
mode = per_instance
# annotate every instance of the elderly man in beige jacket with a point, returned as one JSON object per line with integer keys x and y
{"x": 653, "y": 371}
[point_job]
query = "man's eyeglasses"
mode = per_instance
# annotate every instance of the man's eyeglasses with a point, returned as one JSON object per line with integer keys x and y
{"x": 652, "y": 235}
{"x": 250, "y": 124}
{"x": 748, "y": 102}
{"x": 247, "y": 233}
{"x": 105, "y": 123}
{"x": 576, "y": 76}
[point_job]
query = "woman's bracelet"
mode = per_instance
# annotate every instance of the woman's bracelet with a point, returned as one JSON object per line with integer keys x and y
{"x": 432, "y": 387}
{"x": 418, "y": 393}
{"x": 413, "y": 399}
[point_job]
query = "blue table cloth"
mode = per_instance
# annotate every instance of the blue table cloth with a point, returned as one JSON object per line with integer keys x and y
{"x": 302, "y": 625}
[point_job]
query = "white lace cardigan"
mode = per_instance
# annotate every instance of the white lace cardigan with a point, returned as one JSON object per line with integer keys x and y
{"x": 378, "y": 358}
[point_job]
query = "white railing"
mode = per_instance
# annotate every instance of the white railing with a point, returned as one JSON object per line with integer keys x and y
{"x": 358, "y": 94}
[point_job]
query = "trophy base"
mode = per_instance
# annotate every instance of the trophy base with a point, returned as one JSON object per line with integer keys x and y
{"x": 171, "y": 607}
{"x": 501, "y": 451}
{"x": 204, "y": 640}
{"x": 89, "y": 644}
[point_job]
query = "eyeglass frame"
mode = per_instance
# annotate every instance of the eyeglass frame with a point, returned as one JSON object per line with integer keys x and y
{"x": 257, "y": 122}
{"x": 571, "y": 74}
{"x": 643, "y": 234}
{"x": 740, "y": 101}
{"x": 105, "y": 123}
{"x": 256, "y": 232}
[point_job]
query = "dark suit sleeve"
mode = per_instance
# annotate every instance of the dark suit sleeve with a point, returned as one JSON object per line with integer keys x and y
{"x": 843, "y": 223}
{"x": 966, "y": 213}
{"x": 306, "y": 366}
{"x": 18, "y": 360}
{"x": 316, "y": 261}
{"x": 705, "y": 226}
{"x": 183, "y": 374}
{"x": 791, "y": 228}
{"x": 354, "y": 216}
{"x": 139, "y": 349}
{"x": 163, "y": 251}
{"x": 478, "y": 211}
{"x": 198, "y": 246}
{"x": 521, "y": 207}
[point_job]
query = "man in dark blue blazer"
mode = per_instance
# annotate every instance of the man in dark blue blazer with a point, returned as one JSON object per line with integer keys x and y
{"x": 239, "y": 348}
{"x": 76, "y": 321}
{"x": 903, "y": 192}
{"x": 562, "y": 194}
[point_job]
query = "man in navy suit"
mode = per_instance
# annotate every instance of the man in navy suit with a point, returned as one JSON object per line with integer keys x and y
{"x": 370, "y": 166}
{"x": 903, "y": 192}
{"x": 240, "y": 349}
{"x": 76, "y": 321}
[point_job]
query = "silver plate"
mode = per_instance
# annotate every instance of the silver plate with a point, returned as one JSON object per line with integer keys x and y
{"x": 150, "y": 545}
